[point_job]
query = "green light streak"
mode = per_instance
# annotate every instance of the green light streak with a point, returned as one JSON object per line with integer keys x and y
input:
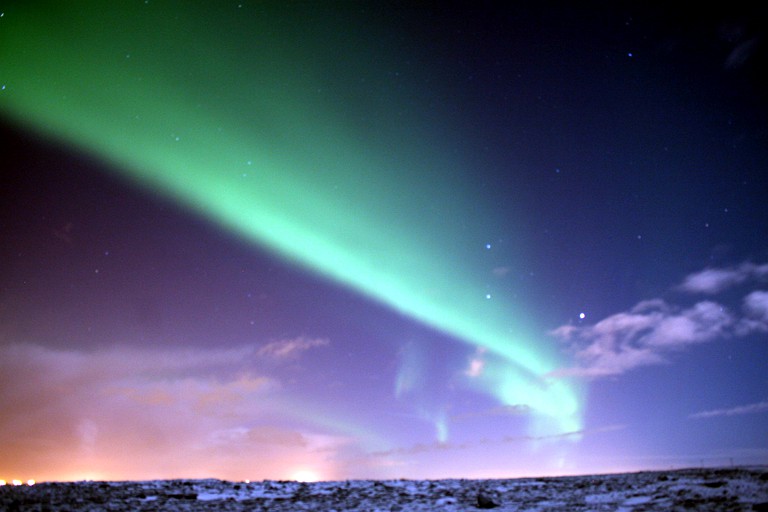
{"x": 285, "y": 129}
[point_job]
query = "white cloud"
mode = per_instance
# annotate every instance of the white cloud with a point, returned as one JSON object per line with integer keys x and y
{"x": 653, "y": 329}
{"x": 640, "y": 337}
{"x": 733, "y": 411}
{"x": 714, "y": 280}
{"x": 756, "y": 305}
{"x": 755, "y": 318}
{"x": 703, "y": 322}
{"x": 290, "y": 348}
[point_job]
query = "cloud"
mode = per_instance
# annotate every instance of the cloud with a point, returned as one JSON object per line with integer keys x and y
{"x": 502, "y": 410}
{"x": 741, "y": 53}
{"x": 703, "y": 322}
{"x": 755, "y": 314}
{"x": 566, "y": 435}
{"x": 756, "y": 305}
{"x": 262, "y": 435}
{"x": 421, "y": 448}
{"x": 129, "y": 412}
{"x": 653, "y": 329}
{"x": 641, "y": 336}
{"x": 501, "y": 271}
{"x": 291, "y": 348}
{"x": 715, "y": 280}
{"x": 733, "y": 411}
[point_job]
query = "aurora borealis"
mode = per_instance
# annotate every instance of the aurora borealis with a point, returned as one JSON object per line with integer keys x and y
{"x": 372, "y": 303}
{"x": 397, "y": 236}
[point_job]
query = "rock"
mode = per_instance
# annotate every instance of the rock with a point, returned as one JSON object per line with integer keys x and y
{"x": 183, "y": 496}
{"x": 485, "y": 500}
{"x": 445, "y": 501}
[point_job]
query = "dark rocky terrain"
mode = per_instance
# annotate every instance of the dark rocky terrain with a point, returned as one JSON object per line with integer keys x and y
{"x": 726, "y": 489}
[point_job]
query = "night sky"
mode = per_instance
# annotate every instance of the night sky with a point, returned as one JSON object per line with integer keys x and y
{"x": 333, "y": 240}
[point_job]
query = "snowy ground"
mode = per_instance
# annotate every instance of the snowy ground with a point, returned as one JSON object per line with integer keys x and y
{"x": 727, "y": 489}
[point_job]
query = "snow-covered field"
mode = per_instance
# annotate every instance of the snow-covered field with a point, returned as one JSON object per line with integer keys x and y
{"x": 725, "y": 489}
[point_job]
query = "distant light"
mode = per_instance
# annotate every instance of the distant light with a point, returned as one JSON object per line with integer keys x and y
{"x": 16, "y": 482}
{"x": 246, "y": 481}
{"x": 30, "y": 482}
{"x": 582, "y": 316}
{"x": 2, "y": 482}
{"x": 487, "y": 295}
{"x": 629, "y": 54}
{"x": 305, "y": 475}
{"x": 487, "y": 246}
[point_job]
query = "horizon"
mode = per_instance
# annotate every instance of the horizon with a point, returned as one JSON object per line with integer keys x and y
{"x": 262, "y": 241}
{"x": 18, "y": 482}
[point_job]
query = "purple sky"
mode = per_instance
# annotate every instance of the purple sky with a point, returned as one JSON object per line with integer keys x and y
{"x": 618, "y": 157}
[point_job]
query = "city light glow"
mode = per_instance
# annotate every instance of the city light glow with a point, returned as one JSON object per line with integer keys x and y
{"x": 306, "y": 475}
{"x": 17, "y": 482}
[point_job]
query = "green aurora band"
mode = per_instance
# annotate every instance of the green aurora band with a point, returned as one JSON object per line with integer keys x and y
{"x": 293, "y": 130}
